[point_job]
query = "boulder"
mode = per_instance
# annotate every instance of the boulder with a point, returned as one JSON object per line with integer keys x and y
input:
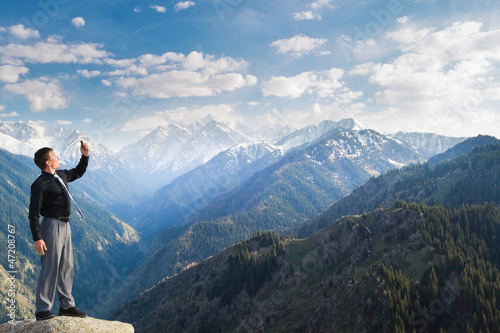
{"x": 67, "y": 324}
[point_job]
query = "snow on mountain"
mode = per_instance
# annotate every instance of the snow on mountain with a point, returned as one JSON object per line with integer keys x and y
{"x": 366, "y": 149}
{"x": 185, "y": 194}
{"x": 109, "y": 183}
{"x": 171, "y": 151}
{"x": 273, "y": 134}
{"x": 15, "y": 146}
{"x": 311, "y": 133}
{"x": 428, "y": 144}
{"x": 25, "y": 138}
{"x": 156, "y": 149}
{"x": 245, "y": 158}
{"x": 207, "y": 142}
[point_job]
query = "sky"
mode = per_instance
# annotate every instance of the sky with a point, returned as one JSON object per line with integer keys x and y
{"x": 116, "y": 70}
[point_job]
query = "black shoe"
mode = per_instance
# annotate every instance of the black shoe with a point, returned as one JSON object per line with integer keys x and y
{"x": 44, "y": 315}
{"x": 72, "y": 312}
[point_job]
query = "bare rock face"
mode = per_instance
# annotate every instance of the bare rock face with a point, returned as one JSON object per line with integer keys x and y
{"x": 67, "y": 324}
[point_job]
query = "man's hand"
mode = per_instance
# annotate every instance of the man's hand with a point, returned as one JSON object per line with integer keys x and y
{"x": 84, "y": 149}
{"x": 40, "y": 247}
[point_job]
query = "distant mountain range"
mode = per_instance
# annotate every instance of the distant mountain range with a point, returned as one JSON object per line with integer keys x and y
{"x": 351, "y": 150}
{"x": 170, "y": 151}
{"x": 281, "y": 196}
{"x": 454, "y": 177}
{"x": 376, "y": 271}
{"x": 215, "y": 185}
{"x": 175, "y": 150}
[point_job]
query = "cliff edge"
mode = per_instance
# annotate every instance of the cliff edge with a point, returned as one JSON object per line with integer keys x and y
{"x": 67, "y": 324}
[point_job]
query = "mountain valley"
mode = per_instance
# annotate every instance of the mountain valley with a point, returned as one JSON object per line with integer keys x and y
{"x": 218, "y": 191}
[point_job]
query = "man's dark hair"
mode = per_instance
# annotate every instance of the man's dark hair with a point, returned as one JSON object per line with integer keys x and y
{"x": 42, "y": 156}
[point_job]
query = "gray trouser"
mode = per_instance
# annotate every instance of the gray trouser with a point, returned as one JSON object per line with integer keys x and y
{"x": 57, "y": 266}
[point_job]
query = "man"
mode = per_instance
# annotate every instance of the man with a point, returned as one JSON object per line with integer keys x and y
{"x": 51, "y": 199}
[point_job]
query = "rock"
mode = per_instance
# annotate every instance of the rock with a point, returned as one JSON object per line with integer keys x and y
{"x": 67, "y": 324}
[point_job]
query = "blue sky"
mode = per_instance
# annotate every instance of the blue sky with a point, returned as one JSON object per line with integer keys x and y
{"x": 117, "y": 69}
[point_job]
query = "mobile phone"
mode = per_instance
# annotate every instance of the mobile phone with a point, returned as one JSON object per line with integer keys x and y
{"x": 81, "y": 143}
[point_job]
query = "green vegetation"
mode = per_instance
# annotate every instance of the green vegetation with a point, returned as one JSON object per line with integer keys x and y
{"x": 247, "y": 269}
{"x": 460, "y": 287}
{"x": 413, "y": 267}
{"x": 473, "y": 178}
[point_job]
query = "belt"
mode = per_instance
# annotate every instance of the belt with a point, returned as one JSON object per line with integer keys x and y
{"x": 61, "y": 218}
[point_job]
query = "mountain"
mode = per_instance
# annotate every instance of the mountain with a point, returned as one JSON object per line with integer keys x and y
{"x": 30, "y": 136}
{"x": 463, "y": 148}
{"x": 342, "y": 159}
{"x": 354, "y": 154}
{"x": 472, "y": 178}
{"x": 400, "y": 269}
{"x": 311, "y": 133}
{"x": 428, "y": 144}
{"x": 109, "y": 180}
{"x": 273, "y": 134}
{"x": 171, "y": 151}
{"x": 173, "y": 203}
{"x": 106, "y": 249}
{"x": 302, "y": 184}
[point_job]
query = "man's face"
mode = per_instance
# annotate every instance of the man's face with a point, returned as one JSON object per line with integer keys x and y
{"x": 53, "y": 161}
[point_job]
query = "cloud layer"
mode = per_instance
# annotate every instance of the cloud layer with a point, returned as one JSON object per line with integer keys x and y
{"x": 440, "y": 76}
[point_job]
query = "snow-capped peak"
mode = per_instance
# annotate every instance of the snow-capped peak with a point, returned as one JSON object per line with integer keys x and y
{"x": 26, "y": 137}
{"x": 311, "y": 133}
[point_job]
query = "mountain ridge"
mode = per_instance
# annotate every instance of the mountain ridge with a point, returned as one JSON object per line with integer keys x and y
{"x": 360, "y": 271}
{"x": 298, "y": 186}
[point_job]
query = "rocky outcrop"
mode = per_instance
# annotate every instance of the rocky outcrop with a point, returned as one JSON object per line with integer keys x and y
{"x": 67, "y": 324}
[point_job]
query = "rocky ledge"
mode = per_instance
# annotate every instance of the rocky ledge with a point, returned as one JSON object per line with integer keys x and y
{"x": 67, "y": 324}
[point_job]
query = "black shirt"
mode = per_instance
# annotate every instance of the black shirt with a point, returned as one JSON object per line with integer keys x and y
{"x": 49, "y": 199}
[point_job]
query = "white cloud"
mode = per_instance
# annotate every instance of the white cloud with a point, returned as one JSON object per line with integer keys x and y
{"x": 442, "y": 78}
{"x": 170, "y": 58}
{"x": 138, "y": 9}
{"x": 19, "y": 31}
{"x": 185, "y": 84}
{"x": 87, "y": 121}
{"x": 360, "y": 50}
{"x": 131, "y": 70}
{"x": 88, "y": 74}
{"x": 10, "y": 74}
{"x": 306, "y": 15}
{"x": 64, "y": 122}
{"x": 183, "y": 115}
{"x": 107, "y": 83}
{"x": 298, "y": 45}
{"x": 183, "y": 5}
{"x": 313, "y": 115}
{"x": 197, "y": 61}
{"x": 176, "y": 75}
{"x": 319, "y": 4}
{"x": 320, "y": 83}
{"x": 159, "y": 9}
{"x": 40, "y": 93}
{"x": 52, "y": 51}
{"x": 78, "y": 22}
{"x": 403, "y": 19}
{"x": 8, "y": 115}
{"x": 120, "y": 62}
